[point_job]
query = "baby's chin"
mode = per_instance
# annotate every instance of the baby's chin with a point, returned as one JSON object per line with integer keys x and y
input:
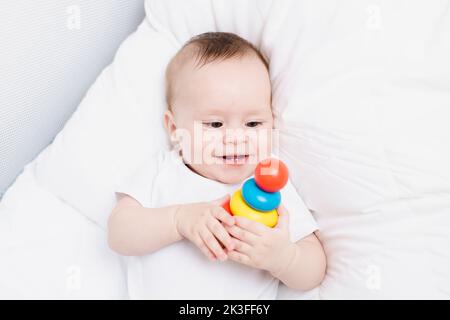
{"x": 233, "y": 175}
{"x": 224, "y": 173}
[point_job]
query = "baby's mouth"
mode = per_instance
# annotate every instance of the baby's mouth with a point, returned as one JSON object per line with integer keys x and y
{"x": 234, "y": 159}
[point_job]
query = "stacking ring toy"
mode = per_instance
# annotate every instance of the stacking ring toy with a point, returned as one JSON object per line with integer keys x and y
{"x": 271, "y": 175}
{"x": 259, "y": 199}
{"x": 260, "y": 196}
{"x": 240, "y": 208}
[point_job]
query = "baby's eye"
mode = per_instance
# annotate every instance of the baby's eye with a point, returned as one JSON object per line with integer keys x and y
{"x": 253, "y": 124}
{"x": 213, "y": 124}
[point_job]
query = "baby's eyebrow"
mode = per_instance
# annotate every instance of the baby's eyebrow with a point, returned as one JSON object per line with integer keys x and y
{"x": 260, "y": 112}
{"x": 213, "y": 113}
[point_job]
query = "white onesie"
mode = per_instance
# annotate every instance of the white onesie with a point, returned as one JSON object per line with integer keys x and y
{"x": 180, "y": 270}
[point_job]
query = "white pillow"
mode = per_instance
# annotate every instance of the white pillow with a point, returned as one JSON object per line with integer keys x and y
{"x": 119, "y": 122}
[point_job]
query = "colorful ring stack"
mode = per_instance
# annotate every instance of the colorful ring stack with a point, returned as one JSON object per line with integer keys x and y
{"x": 260, "y": 196}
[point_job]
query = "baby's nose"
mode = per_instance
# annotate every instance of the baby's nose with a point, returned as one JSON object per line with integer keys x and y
{"x": 235, "y": 136}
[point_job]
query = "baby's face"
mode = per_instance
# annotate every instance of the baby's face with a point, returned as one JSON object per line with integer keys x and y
{"x": 222, "y": 114}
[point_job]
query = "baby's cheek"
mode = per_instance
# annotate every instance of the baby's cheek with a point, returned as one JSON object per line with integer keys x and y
{"x": 263, "y": 143}
{"x": 201, "y": 146}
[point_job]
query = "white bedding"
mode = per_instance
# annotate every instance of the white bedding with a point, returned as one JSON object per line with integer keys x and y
{"x": 49, "y": 250}
{"x": 361, "y": 97}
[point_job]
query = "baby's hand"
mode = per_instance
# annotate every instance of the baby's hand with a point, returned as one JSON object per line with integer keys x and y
{"x": 261, "y": 247}
{"x": 201, "y": 224}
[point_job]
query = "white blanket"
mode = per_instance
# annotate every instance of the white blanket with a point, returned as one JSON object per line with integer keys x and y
{"x": 48, "y": 250}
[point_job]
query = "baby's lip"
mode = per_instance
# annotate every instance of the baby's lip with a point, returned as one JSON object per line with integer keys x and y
{"x": 234, "y": 159}
{"x": 233, "y": 156}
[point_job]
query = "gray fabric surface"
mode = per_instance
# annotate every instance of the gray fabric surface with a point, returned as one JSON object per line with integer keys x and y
{"x": 50, "y": 53}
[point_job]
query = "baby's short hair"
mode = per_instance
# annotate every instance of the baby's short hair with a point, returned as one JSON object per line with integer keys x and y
{"x": 206, "y": 48}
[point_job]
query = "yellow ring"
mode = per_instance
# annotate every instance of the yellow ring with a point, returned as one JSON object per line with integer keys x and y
{"x": 240, "y": 208}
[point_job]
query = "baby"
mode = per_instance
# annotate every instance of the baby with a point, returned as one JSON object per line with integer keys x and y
{"x": 180, "y": 242}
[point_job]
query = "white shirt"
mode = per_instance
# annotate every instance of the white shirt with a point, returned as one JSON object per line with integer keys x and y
{"x": 180, "y": 270}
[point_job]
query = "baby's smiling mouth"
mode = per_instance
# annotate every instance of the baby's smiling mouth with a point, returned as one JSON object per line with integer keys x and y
{"x": 234, "y": 159}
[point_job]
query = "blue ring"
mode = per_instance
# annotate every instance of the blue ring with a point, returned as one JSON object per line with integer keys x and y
{"x": 259, "y": 199}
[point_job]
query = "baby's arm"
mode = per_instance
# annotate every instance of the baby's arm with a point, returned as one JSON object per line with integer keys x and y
{"x": 134, "y": 230}
{"x": 303, "y": 264}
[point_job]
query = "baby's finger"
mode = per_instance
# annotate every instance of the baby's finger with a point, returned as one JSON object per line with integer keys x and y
{"x": 242, "y": 235}
{"x": 222, "y": 215}
{"x": 220, "y": 233}
{"x": 219, "y": 202}
{"x": 204, "y": 249}
{"x": 242, "y": 247}
{"x": 251, "y": 226}
{"x": 283, "y": 217}
{"x": 240, "y": 257}
{"x": 213, "y": 245}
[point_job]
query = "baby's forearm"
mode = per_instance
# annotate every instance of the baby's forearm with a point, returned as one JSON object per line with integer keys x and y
{"x": 303, "y": 264}
{"x": 135, "y": 231}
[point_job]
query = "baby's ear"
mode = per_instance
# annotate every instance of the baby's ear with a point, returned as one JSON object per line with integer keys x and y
{"x": 169, "y": 124}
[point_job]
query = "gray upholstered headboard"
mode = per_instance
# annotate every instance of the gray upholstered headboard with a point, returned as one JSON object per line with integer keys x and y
{"x": 50, "y": 53}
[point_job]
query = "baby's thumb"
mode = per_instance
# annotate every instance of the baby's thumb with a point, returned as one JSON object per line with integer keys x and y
{"x": 222, "y": 200}
{"x": 283, "y": 217}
